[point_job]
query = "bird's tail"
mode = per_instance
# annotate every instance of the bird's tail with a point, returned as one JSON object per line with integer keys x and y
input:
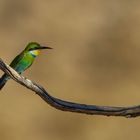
{"x": 3, "y": 81}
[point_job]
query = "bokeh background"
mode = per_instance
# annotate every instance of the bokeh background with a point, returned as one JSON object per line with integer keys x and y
{"x": 95, "y": 60}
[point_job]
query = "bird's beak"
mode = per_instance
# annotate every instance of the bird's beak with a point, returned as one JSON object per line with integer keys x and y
{"x": 44, "y": 47}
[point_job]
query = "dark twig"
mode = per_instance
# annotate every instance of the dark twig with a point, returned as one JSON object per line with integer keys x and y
{"x": 133, "y": 111}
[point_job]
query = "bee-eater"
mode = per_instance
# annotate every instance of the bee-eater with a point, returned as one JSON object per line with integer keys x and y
{"x": 24, "y": 60}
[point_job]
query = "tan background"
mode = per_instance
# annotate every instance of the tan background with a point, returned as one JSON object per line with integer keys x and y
{"x": 96, "y": 60}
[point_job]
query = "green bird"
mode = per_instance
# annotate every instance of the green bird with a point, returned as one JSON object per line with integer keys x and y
{"x": 24, "y": 60}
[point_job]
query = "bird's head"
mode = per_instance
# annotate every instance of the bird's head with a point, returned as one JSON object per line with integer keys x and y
{"x": 35, "y": 48}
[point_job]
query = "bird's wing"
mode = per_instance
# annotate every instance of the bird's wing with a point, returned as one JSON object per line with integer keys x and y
{"x": 19, "y": 64}
{"x": 16, "y": 60}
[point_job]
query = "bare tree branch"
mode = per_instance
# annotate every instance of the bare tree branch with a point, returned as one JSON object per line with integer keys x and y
{"x": 132, "y": 111}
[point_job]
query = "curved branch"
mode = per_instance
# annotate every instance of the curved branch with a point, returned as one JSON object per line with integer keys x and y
{"x": 69, "y": 106}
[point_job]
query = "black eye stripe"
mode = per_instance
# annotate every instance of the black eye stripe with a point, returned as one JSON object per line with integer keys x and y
{"x": 31, "y": 49}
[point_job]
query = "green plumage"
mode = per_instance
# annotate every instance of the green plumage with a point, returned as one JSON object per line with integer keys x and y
{"x": 23, "y": 61}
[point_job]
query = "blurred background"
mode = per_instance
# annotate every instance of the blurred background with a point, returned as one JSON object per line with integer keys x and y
{"x": 95, "y": 60}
